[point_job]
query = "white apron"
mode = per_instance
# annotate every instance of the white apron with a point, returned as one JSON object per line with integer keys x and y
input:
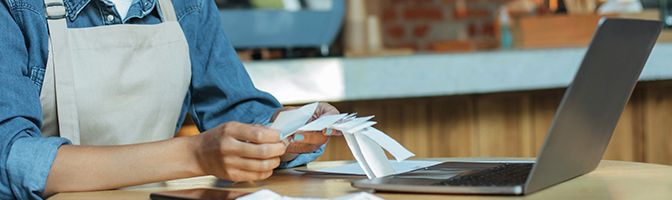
{"x": 113, "y": 85}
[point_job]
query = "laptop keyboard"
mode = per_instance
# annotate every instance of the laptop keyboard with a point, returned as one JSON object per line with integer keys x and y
{"x": 509, "y": 174}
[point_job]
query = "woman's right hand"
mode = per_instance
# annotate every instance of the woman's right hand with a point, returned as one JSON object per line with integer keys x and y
{"x": 239, "y": 152}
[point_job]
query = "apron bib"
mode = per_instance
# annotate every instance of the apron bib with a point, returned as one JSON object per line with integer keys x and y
{"x": 114, "y": 85}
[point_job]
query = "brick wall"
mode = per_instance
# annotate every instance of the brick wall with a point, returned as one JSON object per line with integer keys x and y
{"x": 440, "y": 25}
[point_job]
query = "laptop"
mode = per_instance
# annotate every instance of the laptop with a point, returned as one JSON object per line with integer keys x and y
{"x": 578, "y": 137}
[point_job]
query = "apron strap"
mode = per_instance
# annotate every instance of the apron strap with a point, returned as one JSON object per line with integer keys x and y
{"x": 59, "y": 53}
{"x": 167, "y": 11}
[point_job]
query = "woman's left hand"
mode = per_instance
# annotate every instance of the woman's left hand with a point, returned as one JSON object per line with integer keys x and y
{"x": 309, "y": 141}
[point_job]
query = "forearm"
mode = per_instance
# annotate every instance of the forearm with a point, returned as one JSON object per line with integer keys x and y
{"x": 83, "y": 168}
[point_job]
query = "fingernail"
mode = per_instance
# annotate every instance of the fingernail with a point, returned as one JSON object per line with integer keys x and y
{"x": 328, "y": 131}
{"x": 298, "y": 137}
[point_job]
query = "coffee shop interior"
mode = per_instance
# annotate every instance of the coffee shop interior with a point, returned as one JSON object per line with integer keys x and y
{"x": 449, "y": 78}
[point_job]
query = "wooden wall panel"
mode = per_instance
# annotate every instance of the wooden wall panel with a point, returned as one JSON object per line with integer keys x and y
{"x": 658, "y": 123}
{"x": 544, "y": 105}
{"x": 415, "y": 127}
{"x": 626, "y": 141}
{"x": 499, "y": 130}
{"x": 451, "y": 127}
{"x": 507, "y": 124}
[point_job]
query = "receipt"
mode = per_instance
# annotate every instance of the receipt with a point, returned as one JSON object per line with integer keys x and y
{"x": 367, "y": 144}
{"x": 289, "y": 121}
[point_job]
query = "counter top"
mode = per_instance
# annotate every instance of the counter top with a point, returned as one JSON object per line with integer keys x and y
{"x": 611, "y": 180}
{"x": 343, "y": 79}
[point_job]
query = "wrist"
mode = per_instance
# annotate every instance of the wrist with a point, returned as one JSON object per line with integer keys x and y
{"x": 193, "y": 160}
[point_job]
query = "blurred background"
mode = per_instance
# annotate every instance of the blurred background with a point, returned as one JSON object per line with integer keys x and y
{"x": 448, "y": 78}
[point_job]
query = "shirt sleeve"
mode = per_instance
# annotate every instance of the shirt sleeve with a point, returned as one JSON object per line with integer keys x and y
{"x": 221, "y": 90}
{"x": 25, "y": 157}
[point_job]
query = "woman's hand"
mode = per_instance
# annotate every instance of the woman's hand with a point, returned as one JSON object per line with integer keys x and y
{"x": 239, "y": 152}
{"x": 306, "y": 142}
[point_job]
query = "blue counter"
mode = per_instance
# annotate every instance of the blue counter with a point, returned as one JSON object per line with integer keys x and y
{"x": 343, "y": 79}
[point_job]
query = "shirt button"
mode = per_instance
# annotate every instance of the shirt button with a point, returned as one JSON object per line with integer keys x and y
{"x": 110, "y": 18}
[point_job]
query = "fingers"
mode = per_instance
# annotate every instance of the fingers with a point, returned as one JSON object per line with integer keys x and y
{"x": 243, "y": 169}
{"x": 256, "y": 151}
{"x": 310, "y": 137}
{"x": 252, "y": 165}
{"x": 298, "y": 148}
{"x": 240, "y": 152}
{"x": 251, "y": 133}
{"x": 326, "y": 109}
{"x": 306, "y": 142}
{"x": 323, "y": 109}
{"x": 237, "y": 175}
{"x": 332, "y": 132}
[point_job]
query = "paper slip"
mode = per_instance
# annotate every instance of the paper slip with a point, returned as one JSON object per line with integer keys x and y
{"x": 270, "y": 195}
{"x": 322, "y": 123}
{"x": 289, "y": 121}
{"x": 346, "y": 125}
{"x": 354, "y": 169}
{"x": 367, "y": 144}
{"x": 397, "y": 150}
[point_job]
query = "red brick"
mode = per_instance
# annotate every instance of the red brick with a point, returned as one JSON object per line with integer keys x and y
{"x": 415, "y": 13}
{"x": 479, "y": 13}
{"x": 488, "y": 29}
{"x": 421, "y": 30}
{"x": 389, "y": 15}
{"x": 459, "y": 14}
{"x": 395, "y": 32}
{"x": 471, "y": 30}
{"x": 413, "y": 46}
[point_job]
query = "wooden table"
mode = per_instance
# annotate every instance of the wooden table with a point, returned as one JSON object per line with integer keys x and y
{"x": 611, "y": 180}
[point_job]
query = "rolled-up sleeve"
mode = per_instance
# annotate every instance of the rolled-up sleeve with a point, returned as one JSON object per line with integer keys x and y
{"x": 29, "y": 162}
{"x": 25, "y": 156}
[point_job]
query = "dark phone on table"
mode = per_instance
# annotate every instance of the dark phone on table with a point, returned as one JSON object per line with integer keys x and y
{"x": 198, "y": 194}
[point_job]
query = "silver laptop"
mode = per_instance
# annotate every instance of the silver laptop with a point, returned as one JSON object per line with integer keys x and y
{"x": 581, "y": 129}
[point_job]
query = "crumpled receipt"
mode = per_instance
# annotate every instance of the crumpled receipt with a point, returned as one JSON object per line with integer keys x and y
{"x": 366, "y": 143}
{"x": 270, "y": 195}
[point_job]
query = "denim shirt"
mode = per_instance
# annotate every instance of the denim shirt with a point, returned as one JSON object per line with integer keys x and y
{"x": 220, "y": 89}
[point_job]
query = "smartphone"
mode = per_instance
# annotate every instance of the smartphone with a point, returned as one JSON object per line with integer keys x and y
{"x": 197, "y": 194}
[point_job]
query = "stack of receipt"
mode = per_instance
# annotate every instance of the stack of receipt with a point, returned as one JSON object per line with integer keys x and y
{"x": 365, "y": 142}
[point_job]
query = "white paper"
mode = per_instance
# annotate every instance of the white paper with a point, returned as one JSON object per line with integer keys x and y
{"x": 322, "y": 122}
{"x": 366, "y": 143}
{"x": 355, "y": 169}
{"x": 270, "y": 195}
{"x": 361, "y": 127}
{"x": 357, "y": 153}
{"x": 358, "y": 196}
{"x": 375, "y": 157}
{"x": 289, "y": 121}
{"x": 352, "y": 123}
{"x": 397, "y": 150}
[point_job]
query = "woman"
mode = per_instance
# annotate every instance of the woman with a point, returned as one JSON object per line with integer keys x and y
{"x": 118, "y": 77}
